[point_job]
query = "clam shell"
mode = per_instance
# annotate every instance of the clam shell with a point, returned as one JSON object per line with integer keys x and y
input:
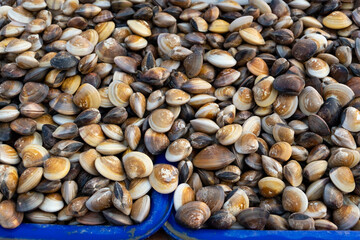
{"x": 213, "y": 157}
{"x": 182, "y": 195}
{"x": 193, "y": 214}
{"x": 164, "y": 178}
{"x": 137, "y": 165}
{"x": 110, "y": 167}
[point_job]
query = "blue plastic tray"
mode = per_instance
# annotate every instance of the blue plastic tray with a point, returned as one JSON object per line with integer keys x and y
{"x": 161, "y": 205}
{"x": 179, "y": 232}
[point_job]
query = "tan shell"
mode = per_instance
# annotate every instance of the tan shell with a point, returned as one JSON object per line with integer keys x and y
{"x": 137, "y": 165}
{"x": 213, "y": 157}
{"x": 110, "y": 167}
{"x": 87, "y": 96}
{"x": 56, "y": 168}
{"x": 87, "y": 161}
{"x": 164, "y": 178}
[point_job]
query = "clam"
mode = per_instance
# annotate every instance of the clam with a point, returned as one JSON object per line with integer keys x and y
{"x": 270, "y": 187}
{"x": 243, "y": 99}
{"x": 263, "y": 91}
{"x": 336, "y": 20}
{"x": 52, "y": 203}
{"x": 56, "y": 168}
{"x": 350, "y": 119}
{"x": 110, "y": 147}
{"x": 121, "y": 199}
{"x": 236, "y": 201}
{"x": 293, "y": 173}
{"x": 119, "y": 94}
{"x": 301, "y": 221}
{"x": 281, "y": 151}
{"x": 316, "y": 209}
{"x": 229, "y": 134}
{"x": 220, "y": 58}
{"x": 193, "y": 214}
{"x": 222, "y": 219}
{"x": 252, "y": 36}
{"x": 100, "y": 200}
{"x": 29, "y": 179}
{"x": 69, "y": 190}
{"x": 344, "y": 157}
{"x": 116, "y": 217}
{"x": 272, "y": 167}
{"x": 66, "y": 131}
{"x": 137, "y": 165}
{"x": 340, "y": 92}
{"x": 246, "y": 143}
{"x": 110, "y": 167}
{"x": 342, "y": 178}
{"x": 92, "y": 134}
{"x": 87, "y": 97}
{"x": 8, "y": 155}
{"x": 77, "y": 207}
{"x": 294, "y": 200}
{"x": 139, "y": 187}
{"x": 29, "y": 201}
{"x": 34, "y": 155}
{"x": 182, "y": 195}
{"x": 310, "y": 101}
{"x": 155, "y": 142}
{"x": 9, "y": 180}
{"x": 178, "y": 150}
{"x": 41, "y": 217}
{"x": 10, "y": 218}
{"x": 79, "y": 46}
{"x": 164, "y": 178}
{"x": 346, "y": 216}
{"x": 140, "y": 209}
{"x": 139, "y": 27}
{"x": 213, "y": 196}
{"x": 161, "y": 120}
{"x": 254, "y": 218}
{"x": 66, "y": 148}
{"x": 315, "y": 170}
{"x": 213, "y": 157}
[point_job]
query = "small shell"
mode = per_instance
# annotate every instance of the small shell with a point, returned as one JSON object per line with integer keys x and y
{"x": 52, "y": 203}
{"x": 337, "y": 20}
{"x": 34, "y": 155}
{"x": 193, "y": 214}
{"x": 294, "y": 200}
{"x": 56, "y": 168}
{"x": 178, "y": 150}
{"x": 252, "y": 36}
{"x": 182, "y": 195}
{"x": 29, "y": 179}
{"x": 110, "y": 167}
{"x": 92, "y": 134}
{"x": 270, "y": 187}
{"x": 79, "y": 46}
{"x": 87, "y": 96}
{"x": 229, "y": 134}
{"x": 213, "y": 157}
{"x": 343, "y": 179}
{"x": 140, "y": 209}
{"x": 164, "y": 178}
{"x": 161, "y": 120}
{"x": 137, "y": 165}
{"x": 220, "y": 58}
{"x": 8, "y": 155}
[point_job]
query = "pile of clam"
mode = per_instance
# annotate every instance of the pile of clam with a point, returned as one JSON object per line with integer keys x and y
{"x": 256, "y": 102}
